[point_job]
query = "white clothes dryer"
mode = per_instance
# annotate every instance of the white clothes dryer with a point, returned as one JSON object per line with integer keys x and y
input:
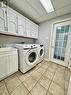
{"x": 41, "y": 53}
{"x": 28, "y": 56}
{"x": 40, "y": 48}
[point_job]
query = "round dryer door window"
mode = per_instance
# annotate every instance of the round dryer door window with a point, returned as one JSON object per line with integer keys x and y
{"x": 31, "y": 57}
{"x": 41, "y": 52}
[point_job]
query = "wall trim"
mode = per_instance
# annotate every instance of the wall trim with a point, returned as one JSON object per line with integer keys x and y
{"x": 46, "y": 59}
{"x": 69, "y": 88}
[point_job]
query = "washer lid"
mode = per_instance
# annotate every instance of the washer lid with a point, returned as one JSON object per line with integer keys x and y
{"x": 31, "y": 57}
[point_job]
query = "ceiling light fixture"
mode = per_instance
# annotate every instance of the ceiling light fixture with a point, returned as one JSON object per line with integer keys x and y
{"x": 47, "y": 4}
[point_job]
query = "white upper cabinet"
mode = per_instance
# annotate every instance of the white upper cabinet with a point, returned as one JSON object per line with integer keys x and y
{"x": 21, "y": 25}
{"x": 28, "y": 27}
{"x": 2, "y": 19}
{"x": 12, "y": 20}
{"x": 34, "y": 30}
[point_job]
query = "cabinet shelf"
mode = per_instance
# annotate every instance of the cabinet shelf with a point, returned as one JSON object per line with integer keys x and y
{"x": 15, "y": 35}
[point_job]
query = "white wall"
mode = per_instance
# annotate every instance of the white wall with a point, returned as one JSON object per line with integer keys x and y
{"x": 45, "y": 32}
{"x": 10, "y": 39}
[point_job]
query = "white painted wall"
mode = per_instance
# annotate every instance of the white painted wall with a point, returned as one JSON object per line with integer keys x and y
{"x": 45, "y": 29}
{"x": 10, "y": 39}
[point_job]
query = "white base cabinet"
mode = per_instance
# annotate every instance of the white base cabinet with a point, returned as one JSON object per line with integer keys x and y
{"x": 4, "y": 67}
{"x": 8, "y": 62}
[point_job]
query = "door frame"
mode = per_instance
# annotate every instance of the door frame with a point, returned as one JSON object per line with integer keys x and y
{"x": 51, "y": 35}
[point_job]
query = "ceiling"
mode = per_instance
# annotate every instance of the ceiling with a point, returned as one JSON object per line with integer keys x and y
{"x": 35, "y": 11}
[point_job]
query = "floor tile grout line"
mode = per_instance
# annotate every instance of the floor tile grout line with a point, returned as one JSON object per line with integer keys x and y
{"x": 58, "y": 84}
{"x": 64, "y": 85}
{"x": 6, "y": 87}
{"x": 51, "y": 81}
{"x": 24, "y": 85}
{"x": 26, "y": 88}
{"x": 34, "y": 79}
{"x": 37, "y": 81}
{"x": 43, "y": 68}
{"x": 2, "y": 84}
{"x": 12, "y": 90}
{"x": 15, "y": 89}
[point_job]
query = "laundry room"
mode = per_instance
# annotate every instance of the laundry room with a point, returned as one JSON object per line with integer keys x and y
{"x": 35, "y": 47}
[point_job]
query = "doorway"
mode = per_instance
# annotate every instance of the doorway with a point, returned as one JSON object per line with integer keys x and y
{"x": 60, "y": 46}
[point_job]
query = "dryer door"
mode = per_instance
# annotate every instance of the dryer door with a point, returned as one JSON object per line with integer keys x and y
{"x": 41, "y": 52}
{"x": 31, "y": 57}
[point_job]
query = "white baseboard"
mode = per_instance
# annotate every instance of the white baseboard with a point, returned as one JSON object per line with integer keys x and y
{"x": 46, "y": 59}
{"x": 69, "y": 88}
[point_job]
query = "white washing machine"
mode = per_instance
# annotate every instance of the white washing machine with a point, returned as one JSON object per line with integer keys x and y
{"x": 28, "y": 56}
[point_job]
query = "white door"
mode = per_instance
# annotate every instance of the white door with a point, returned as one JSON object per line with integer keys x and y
{"x": 60, "y": 47}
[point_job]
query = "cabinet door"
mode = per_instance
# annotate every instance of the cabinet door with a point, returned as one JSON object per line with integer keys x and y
{"x": 20, "y": 30}
{"x": 1, "y": 20}
{"x": 4, "y": 66}
{"x": 11, "y": 27}
{"x": 1, "y": 24}
{"x": 12, "y": 20}
{"x": 32, "y": 30}
{"x": 28, "y": 27}
{"x": 1, "y": 13}
{"x": 36, "y": 30}
{"x": 21, "y": 25}
{"x": 13, "y": 63}
{"x": 5, "y": 19}
{"x": 15, "y": 59}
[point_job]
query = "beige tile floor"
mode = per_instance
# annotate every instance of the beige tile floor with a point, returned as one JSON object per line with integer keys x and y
{"x": 45, "y": 79}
